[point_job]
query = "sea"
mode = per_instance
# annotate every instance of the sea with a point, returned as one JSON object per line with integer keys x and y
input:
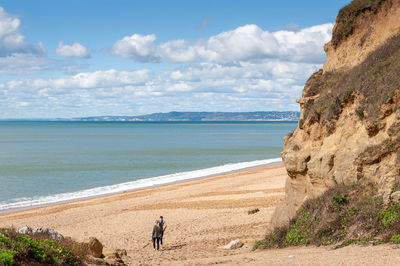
{"x": 49, "y": 162}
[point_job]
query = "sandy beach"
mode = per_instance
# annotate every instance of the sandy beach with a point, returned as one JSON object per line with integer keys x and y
{"x": 202, "y": 216}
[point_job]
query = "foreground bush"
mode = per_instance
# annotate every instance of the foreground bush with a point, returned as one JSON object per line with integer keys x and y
{"x": 341, "y": 216}
{"x": 20, "y": 249}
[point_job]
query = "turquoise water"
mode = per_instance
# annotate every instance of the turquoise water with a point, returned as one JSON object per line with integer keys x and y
{"x": 40, "y": 159}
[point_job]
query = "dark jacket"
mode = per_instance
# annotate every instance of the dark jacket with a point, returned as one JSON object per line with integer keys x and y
{"x": 156, "y": 231}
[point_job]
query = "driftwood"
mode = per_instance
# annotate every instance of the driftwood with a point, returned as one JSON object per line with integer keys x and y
{"x": 253, "y": 211}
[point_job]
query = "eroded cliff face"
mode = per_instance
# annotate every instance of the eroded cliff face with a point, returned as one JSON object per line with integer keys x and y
{"x": 349, "y": 129}
{"x": 369, "y": 26}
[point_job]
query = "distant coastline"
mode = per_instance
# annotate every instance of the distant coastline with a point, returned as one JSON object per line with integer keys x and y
{"x": 185, "y": 116}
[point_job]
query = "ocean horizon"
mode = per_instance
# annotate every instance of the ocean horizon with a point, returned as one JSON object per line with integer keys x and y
{"x": 50, "y": 162}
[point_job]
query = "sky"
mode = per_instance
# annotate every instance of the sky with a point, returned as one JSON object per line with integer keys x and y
{"x": 77, "y": 58}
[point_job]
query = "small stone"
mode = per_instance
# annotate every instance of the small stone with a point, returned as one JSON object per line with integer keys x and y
{"x": 46, "y": 232}
{"x": 291, "y": 256}
{"x": 25, "y": 230}
{"x": 234, "y": 244}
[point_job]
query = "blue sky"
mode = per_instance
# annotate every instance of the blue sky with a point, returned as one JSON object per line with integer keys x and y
{"x": 97, "y": 57}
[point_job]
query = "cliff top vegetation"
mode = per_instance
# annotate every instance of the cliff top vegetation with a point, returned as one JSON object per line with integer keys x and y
{"x": 346, "y": 19}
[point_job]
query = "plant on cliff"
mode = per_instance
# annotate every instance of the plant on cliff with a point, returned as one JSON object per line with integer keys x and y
{"x": 390, "y": 216}
{"x": 342, "y": 216}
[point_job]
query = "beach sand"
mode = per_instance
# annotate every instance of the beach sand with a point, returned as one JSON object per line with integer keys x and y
{"x": 202, "y": 216}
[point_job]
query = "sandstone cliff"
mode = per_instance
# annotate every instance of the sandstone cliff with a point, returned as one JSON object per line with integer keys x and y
{"x": 349, "y": 127}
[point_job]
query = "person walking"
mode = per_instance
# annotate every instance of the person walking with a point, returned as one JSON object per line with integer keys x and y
{"x": 156, "y": 235}
{"x": 163, "y": 226}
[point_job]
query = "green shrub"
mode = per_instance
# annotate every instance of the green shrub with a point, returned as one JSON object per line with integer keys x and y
{"x": 333, "y": 105}
{"x": 379, "y": 242}
{"x": 298, "y": 232}
{"x": 4, "y": 241}
{"x": 339, "y": 201}
{"x": 390, "y": 215}
{"x": 258, "y": 244}
{"x": 35, "y": 249}
{"x": 15, "y": 247}
{"x": 347, "y": 94}
{"x": 7, "y": 257}
{"x": 395, "y": 239}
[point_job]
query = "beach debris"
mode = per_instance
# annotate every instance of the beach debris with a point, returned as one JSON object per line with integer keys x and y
{"x": 234, "y": 244}
{"x": 253, "y": 211}
{"x": 44, "y": 231}
{"x": 291, "y": 256}
{"x": 94, "y": 246}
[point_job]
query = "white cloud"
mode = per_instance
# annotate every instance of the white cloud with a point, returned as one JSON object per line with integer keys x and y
{"x": 17, "y": 56}
{"x": 74, "y": 50}
{"x": 137, "y": 47}
{"x": 245, "y": 69}
{"x": 20, "y": 57}
{"x": 248, "y": 86}
{"x": 246, "y": 43}
{"x": 11, "y": 41}
{"x": 91, "y": 80}
{"x": 24, "y": 64}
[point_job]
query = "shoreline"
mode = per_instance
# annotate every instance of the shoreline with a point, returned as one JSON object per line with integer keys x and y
{"x": 42, "y": 205}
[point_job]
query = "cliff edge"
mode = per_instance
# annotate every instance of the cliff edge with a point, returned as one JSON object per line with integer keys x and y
{"x": 349, "y": 128}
